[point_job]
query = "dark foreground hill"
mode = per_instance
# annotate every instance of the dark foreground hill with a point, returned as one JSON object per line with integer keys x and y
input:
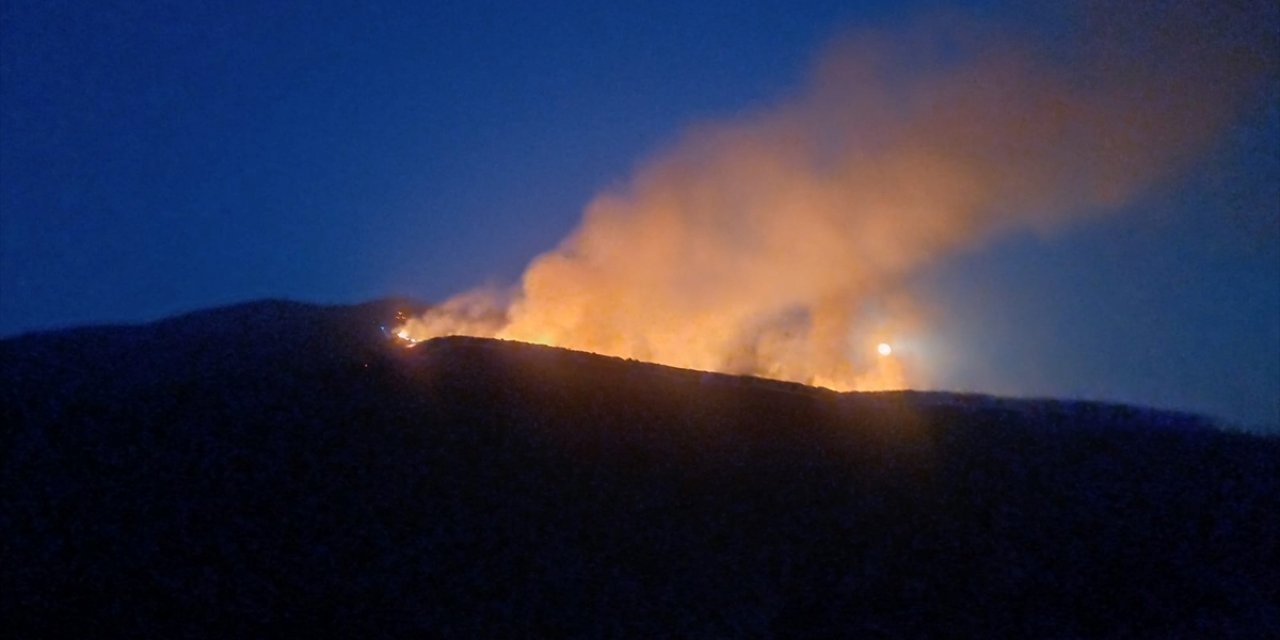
{"x": 277, "y": 469}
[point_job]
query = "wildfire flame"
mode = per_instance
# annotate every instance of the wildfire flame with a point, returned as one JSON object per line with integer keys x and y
{"x": 779, "y": 244}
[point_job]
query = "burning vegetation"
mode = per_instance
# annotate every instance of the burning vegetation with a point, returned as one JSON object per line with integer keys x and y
{"x": 783, "y": 244}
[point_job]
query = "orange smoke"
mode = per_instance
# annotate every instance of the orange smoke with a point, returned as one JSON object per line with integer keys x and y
{"x": 780, "y": 244}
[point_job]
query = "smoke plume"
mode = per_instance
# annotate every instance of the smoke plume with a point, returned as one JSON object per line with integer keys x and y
{"x": 779, "y": 244}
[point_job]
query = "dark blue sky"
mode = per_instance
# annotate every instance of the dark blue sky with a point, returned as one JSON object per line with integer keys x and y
{"x": 161, "y": 157}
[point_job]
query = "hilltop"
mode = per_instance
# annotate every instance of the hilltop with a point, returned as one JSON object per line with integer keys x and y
{"x": 282, "y": 469}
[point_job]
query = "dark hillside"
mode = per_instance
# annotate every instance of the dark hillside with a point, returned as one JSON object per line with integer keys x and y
{"x": 280, "y": 469}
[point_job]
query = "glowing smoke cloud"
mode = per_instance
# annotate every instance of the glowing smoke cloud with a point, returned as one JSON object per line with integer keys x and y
{"x": 779, "y": 244}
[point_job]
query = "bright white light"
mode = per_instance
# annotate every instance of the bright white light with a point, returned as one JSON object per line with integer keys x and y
{"x": 884, "y": 348}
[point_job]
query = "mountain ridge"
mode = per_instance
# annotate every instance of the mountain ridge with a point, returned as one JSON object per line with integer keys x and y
{"x": 281, "y": 469}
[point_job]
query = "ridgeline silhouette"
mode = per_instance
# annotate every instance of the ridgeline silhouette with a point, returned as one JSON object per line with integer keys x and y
{"x": 281, "y": 469}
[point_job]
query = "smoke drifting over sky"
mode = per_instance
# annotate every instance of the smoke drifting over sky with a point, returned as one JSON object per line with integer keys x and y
{"x": 1033, "y": 198}
{"x": 780, "y": 243}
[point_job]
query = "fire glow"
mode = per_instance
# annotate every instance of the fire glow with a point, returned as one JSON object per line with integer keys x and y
{"x": 779, "y": 243}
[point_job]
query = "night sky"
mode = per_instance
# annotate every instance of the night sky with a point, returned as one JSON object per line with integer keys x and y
{"x": 161, "y": 157}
